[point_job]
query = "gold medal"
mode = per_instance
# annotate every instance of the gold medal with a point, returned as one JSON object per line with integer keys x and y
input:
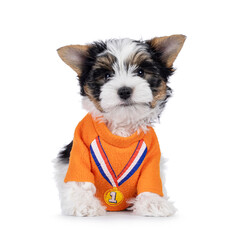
{"x": 113, "y": 197}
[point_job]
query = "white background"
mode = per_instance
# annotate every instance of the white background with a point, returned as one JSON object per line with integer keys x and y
{"x": 199, "y": 130}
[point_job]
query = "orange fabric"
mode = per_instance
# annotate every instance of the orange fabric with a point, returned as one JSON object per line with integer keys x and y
{"x": 119, "y": 150}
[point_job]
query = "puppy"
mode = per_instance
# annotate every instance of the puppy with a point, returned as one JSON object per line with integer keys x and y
{"x": 113, "y": 161}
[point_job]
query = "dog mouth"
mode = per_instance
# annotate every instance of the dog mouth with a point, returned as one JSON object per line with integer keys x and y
{"x": 127, "y": 104}
{"x": 131, "y": 104}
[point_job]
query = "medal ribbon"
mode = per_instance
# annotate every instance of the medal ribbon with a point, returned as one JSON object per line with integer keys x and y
{"x": 105, "y": 167}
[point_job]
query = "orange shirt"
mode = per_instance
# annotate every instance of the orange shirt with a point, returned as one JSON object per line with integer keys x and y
{"x": 104, "y": 159}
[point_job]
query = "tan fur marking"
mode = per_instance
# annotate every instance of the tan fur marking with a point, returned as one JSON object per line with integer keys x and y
{"x": 160, "y": 95}
{"x": 95, "y": 102}
{"x": 105, "y": 61}
{"x": 137, "y": 58}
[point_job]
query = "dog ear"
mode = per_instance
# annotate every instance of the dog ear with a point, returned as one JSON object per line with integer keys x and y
{"x": 167, "y": 48}
{"x": 74, "y": 56}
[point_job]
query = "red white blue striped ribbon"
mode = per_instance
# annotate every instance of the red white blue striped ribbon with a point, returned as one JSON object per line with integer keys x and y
{"x": 105, "y": 167}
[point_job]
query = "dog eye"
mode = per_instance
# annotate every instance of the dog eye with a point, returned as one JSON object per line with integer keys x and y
{"x": 140, "y": 72}
{"x": 107, "y": 76}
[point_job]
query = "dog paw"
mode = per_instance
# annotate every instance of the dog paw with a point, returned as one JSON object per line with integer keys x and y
{"x": 90, "y": 209}
{"x": 151, "y": 204}
{"x": 78, "y": 199}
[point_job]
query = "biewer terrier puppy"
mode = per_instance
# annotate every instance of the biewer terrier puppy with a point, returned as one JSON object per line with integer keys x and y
{"x": 113, "y": 162}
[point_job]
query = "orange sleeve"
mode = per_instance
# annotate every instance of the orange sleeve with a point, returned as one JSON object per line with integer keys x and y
{"x": 79, "y": 169}
{"x": 149, "y": 180}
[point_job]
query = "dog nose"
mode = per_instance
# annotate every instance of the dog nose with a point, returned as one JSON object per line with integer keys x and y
{"x": 125, "y": 92}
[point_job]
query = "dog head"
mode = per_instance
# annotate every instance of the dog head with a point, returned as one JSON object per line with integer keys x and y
{"x": 124, "y": 80}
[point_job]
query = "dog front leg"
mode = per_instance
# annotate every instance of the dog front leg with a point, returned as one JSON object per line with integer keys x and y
{"x": 77, "y": 198}
{"x": 151, "y": 204}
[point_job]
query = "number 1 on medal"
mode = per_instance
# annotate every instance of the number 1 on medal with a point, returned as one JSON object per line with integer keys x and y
{"x": 113, "y": 197}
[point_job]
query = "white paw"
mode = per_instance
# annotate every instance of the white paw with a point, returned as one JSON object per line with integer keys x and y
{"x": 90, "y": 209}
{"x": 151, "y": 204}
{"x": 77, "y": 199}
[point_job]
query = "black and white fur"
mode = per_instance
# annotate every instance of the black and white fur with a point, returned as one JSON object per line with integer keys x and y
{"x": 124, "y": 82}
